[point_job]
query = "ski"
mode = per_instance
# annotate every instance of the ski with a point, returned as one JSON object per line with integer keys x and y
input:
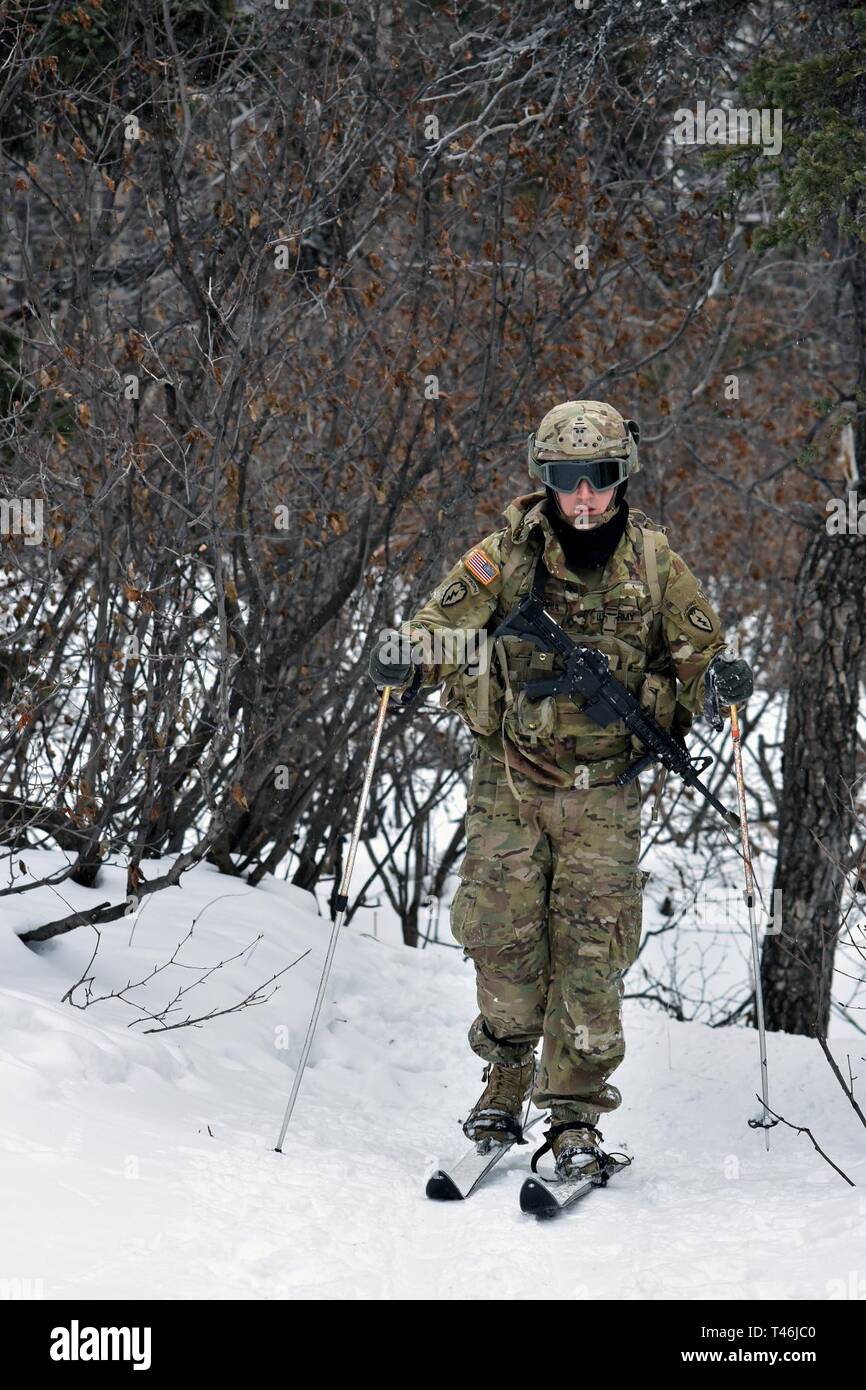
{"x": 457, "y": 1182}
{"x": 546, "y": 1197}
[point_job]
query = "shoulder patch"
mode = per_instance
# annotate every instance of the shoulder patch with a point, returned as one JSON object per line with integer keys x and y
{"x": 698, "y": 618}
{"x": 455, "y": 592}
{"x": 480, "y": 564}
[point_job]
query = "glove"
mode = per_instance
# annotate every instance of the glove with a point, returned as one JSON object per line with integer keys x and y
{"x": 729, "y": 682}
{"x": 383, "y": 672}
{"x": 733, "y": 679}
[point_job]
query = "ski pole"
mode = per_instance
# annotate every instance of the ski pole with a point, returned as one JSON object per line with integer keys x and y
{"x": 750, "y": 901}
{"x": 342, "y": 902}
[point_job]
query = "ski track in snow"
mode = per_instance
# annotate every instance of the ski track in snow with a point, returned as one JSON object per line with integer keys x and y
{"x": 113, "y": 1186}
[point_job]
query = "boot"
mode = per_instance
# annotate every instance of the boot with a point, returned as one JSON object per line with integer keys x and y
{"x": 497, "y": 1116}
{"x": 575, "y": 1141}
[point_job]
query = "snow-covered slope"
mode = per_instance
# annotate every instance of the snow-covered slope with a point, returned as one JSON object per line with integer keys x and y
{"x": 143, "y": 1165}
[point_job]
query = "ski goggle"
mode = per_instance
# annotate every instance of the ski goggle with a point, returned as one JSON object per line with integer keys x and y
{"x": 566, "y": 475}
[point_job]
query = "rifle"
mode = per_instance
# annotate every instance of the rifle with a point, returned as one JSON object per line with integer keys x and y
{"x": 589, "y": 683}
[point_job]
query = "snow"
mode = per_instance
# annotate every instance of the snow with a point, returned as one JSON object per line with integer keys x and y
{"x": 142, "y": 1164}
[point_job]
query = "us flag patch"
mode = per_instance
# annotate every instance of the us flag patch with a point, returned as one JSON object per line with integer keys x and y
{"x": 481, "y": 566}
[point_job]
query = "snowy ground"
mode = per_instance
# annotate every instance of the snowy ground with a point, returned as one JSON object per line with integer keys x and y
{"x": 143, "y": 1165}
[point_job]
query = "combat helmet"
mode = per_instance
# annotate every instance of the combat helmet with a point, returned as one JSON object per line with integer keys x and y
{"x": 584, "y": 439}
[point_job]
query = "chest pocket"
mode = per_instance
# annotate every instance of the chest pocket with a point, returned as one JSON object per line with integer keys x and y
{"x": 617, "y": 620}
{"x": 525, "y": 661}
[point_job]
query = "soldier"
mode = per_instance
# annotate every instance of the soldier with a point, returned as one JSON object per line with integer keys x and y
{"x": 549, "y": 902}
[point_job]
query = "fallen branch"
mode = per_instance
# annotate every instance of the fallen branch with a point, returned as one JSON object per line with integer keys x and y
{"x": 803, "y": 1129}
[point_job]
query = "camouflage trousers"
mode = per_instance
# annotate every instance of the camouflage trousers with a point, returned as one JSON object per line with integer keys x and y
{"x": 549, "y": 910}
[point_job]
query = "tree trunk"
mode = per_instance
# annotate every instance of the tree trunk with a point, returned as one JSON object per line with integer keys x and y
{"x": 816, "y": 816}
{"x": 819, "y": 762}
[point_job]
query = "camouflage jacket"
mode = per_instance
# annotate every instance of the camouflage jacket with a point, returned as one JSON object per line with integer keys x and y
{"x": 645, "y": 609}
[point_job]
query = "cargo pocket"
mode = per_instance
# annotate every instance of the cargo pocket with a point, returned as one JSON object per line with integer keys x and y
{"x": 658, "y": 696}
{"x": 536, "y": 719}
{"x": 626, "y": 935}
{"x": 482, "y": 885}
{"x": 478, "y": 700}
